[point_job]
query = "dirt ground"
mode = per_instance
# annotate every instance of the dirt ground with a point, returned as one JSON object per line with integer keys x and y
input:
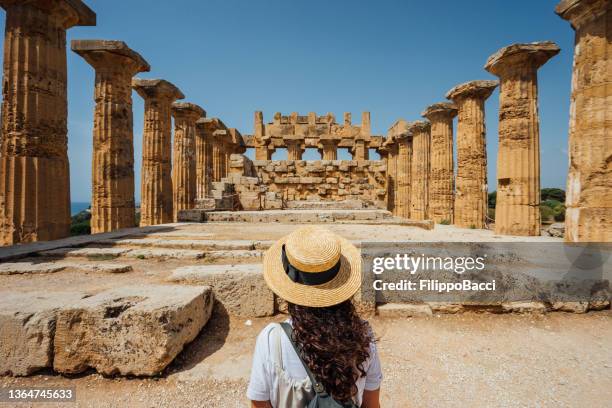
{"x": 475, "y": 360}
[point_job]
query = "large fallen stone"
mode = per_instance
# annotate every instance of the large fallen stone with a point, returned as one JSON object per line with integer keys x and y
{"x": 27, "y": 328}
{"x": 240, "y": 288}
{"x": 108, "y": 267}
{"x": 133, "y": 330}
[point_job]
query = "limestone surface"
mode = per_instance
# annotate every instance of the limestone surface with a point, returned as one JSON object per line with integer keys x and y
{"x": 133, "y": 330}
{"x": 240, "y": 288}
{"x": 112, "y": 205}
{"x": 588, "y": 217}
{"x": 27, "y": 329}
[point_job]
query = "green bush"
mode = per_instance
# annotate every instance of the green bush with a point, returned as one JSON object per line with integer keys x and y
{"x": 560, "y": 217}
{"x": 492, "y": 199}
{"x": 552, "y": 194}
{"x": 546, "y": 213}
{"x": 445, "y": 222}
{"x": 552, "y": 203}
{"x": 80, "y": 228}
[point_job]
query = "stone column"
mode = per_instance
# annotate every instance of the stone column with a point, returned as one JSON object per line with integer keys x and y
{"x": 34, "y": 176}
{"x": 441, "y": 172}
{"x": 471, "y": 181}
{"x": 112, "y": 201}
{"x": 156, "y": 178}
{"x": 184, "y": 180}
{"x": 517, "y": 208}
{"x": 329, "y": 147}
{"x": 295, "y": 146}
{"x": 419, "y": 198}
{"x": 391, "y": 148}
{"x": 404, "y": 164}
{"x": 203, "y": 160}
{"x": 588, "y": 217}
{"x": 217, "y": 155}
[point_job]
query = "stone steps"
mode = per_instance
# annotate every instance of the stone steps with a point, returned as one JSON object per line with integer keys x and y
{"x": 21, "y": 268}
{"x": 203, "y": 244}
{"x": 109, "y": 253}
{"x": 304, "y": 216}
{"x": 325, "y": 205}
{"x": 298, "y": 216}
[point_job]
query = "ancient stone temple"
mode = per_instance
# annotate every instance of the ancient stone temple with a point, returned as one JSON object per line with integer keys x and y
{"x": 34, "y": 176}
{"x": 297, "y": 133}
{"x": 441, "y": 171}
{"x": 589, "y": 184}
{"x": 184, "y": 155}
{"x": 112, "y": 202}
{"x": 517, "y": 208}
{"x": 471, "y": 179}
{"x": 419, "y": 173}
{"x": 156, "y": 183}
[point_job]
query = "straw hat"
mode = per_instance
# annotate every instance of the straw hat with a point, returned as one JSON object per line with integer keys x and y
{"x": 314, "y": 267}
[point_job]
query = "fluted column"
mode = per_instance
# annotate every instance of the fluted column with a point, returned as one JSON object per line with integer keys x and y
{"x": 156, "y": 183}
{"x": 184, "y": 156}
{"x": 441, "y": 172}
{"x": 329, "y": 147}
{"x": 471, "y": 181}
{"x": 404, "y": 165}
{"x": 112, "y": 201}
{"x": 419, "y": 198}
{"x": 203, "y": 148}
{"x": 217, "y": 155}
{"x": 295, "y": 148}
{"x": 517, "y": 208}
{"x": 34, "y": 169}
{"x": 392, "y": 151}
{"x": 588, "y": 217}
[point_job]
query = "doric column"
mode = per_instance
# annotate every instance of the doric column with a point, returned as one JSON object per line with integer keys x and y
{"x": 156, "y": 183}
{"x": 471, "y": 181}
{"x": 517, "y": 208}
{"x": 588, "y": 217}
{"x": 184, "y": 155}
{"x": 329, "y": 147}
{"x": 34, "y": 176}
{"x": 392, "y": 150}
{"x": 203, "y": 160}
{"x": 295, "y": 146}
{"x": 218, "y": 155}
{"x": 441, "y": 170}
{"x": 419, "y": 186}
{"x": 112, "y": 201}
{"x": 404, "y": 164}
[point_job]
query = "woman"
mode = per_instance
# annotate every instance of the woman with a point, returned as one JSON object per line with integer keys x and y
{"x": 317, "y": 273}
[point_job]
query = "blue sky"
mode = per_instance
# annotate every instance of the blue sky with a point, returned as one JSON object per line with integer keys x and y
{"x": 392, "y": 58}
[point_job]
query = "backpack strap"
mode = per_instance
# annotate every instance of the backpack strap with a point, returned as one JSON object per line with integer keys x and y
{"x": 318, "y": 387}
{"x": 277, "y": 332}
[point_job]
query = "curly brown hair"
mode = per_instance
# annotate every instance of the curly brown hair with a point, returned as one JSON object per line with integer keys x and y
{"x": 335, "y": 342}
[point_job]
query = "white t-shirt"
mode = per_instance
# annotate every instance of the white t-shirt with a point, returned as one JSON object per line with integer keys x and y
{"x": 263, "y": 385}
